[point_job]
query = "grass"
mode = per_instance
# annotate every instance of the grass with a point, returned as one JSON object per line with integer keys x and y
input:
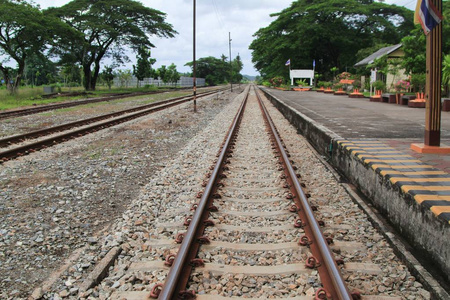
{"x": 28, "y": 96}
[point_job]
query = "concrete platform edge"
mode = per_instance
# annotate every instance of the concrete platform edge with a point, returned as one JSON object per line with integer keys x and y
{"x": 418, "y": 226}
{"x": 401, "y": 247}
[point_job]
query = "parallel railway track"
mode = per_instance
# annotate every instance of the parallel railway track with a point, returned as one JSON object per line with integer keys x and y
{"x": 252, "y": 226}
{"x": 97, "y": 123}
{"x": 42, "y": 108}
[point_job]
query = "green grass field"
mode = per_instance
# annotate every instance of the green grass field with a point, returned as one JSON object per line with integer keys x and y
{"x": 27, "y": 96}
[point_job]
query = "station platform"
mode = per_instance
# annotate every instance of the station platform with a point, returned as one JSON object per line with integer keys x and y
{"x": 370, "y": 144}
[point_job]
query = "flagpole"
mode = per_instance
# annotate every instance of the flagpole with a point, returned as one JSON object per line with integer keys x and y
{"x": 433, "y": 83}
{"x": 432, "y": 139}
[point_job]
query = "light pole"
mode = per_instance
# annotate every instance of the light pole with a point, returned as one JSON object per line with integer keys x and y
{"x": 195, "y": 67}
{"x": 231, "y": 65}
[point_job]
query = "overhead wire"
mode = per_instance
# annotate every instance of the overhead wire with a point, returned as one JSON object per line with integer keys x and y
{"x": 219, "y": 18}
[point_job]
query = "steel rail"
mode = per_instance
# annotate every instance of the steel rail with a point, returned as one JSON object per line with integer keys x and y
{"x": 5, "y": 142}
{"x": 332, "y": 278}
{"x": 42, "y": 108}
{"x": 33, "y": 147}
{"x": 179, "y": 273}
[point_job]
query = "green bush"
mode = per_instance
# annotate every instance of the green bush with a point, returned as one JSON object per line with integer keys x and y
{"x": 337, "y": 86}
{"x": 301, "y": 82}
{"x": 327, "y": 84}
{"x": 418, "y": 82}
{"x": 379, "y": 85}
{"x": 357, "y": 84}
{"x": 321, "y": 84}
{"x": 277, "y": 81}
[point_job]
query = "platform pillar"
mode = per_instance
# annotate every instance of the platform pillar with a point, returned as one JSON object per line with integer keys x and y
{"x": 433, "y": 84}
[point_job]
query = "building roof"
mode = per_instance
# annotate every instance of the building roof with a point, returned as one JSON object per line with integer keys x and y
{"x": 383, "y": 51}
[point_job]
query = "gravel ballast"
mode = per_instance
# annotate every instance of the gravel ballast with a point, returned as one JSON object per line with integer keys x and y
{"x": 63, "y": 198}
{"x": 131, "y": 186}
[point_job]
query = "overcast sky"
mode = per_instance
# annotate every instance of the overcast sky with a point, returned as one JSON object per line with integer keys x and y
{"x": 215, "y": 19}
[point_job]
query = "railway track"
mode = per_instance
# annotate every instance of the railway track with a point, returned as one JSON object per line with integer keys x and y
{"x": 42, "y": 108}
{"x": 252, "y": 233}
{"x": 87, "y": 126}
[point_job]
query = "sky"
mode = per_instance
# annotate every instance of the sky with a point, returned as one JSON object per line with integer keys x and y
{"x": 215, "y": 20}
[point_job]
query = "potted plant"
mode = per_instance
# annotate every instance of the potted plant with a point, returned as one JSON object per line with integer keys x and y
{"x": 401, "y": 86}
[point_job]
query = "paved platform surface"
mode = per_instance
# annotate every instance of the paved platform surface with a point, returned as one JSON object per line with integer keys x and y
{"x": 380, "y": 134}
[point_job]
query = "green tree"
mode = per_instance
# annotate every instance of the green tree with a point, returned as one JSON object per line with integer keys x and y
{"x": 331, "y": 32}
{"x": 124, "y": 77}
{"x": 24, "y": 31}
{"x": 162, "y": 73}
{"x": 37, "y": 68}
{"x": 172, "y": 74}
{"x": 237, "y": 68}
{"x": 414, "y": 46}
{"x": 104, "y": 28}
{"x": 214, "y": 70}
{"x": 446, "y": 74}
{"x": 143, "y": 68}
{"x": 108, "y": 75}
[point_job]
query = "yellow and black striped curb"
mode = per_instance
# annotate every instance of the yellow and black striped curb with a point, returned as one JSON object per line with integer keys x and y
{"x": 430, "y": 187}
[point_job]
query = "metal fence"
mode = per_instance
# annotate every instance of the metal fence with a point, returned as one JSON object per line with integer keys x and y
{"x": 183, "y": 82}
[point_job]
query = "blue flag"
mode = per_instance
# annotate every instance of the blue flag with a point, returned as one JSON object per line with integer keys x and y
{"x": 288, "y": 63}
{"x": 427, "y": 15}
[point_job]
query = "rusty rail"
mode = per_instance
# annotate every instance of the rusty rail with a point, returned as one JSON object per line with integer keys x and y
{"x": 334, "y": 286}
{"x": 42, "y": 108}
{"x": 5, "y": 142}
{"x": 33, "y": 147}
{"x": 179, "y": 273}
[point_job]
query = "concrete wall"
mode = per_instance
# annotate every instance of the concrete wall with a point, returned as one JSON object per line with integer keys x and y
{"x": 429, "y": 234}
{"x": 183, "y": 82}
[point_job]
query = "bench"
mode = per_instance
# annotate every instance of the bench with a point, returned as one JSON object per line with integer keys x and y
{"x": 377, "y": 97}
{"x": 405, "y": 99}
{"x": 340, "y": 92}
{"x": 389, "y": 98}
{"x": 419, "y": 102}
{"x": 446, "y": 105}
{"x": 356, "y": 94}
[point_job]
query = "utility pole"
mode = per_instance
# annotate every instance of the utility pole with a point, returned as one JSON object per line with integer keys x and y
{"x": 231, "y": 66}
{"x": 195, "y": 67}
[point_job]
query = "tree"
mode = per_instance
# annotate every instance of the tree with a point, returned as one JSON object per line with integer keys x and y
{"x": 172, "y": 74}
{"x": 103, "y": 29}
{"x": 162, "y": 73}
{"x": 143, "y": 68}
{"x": 446, "y": 74}
{"x": 37, "y": 68}
{"x": 414, "y": 46}
{"x": 124, "y": 77}
{"x": 214, "y": 70}
{"x": 24, "y": 31}
{"x": 237, "y": 68}
{"x": 331, "y": 32}
{"x": 108, "y": 75}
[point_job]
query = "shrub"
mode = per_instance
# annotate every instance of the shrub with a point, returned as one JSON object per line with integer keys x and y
{"x": 321, "y": 84}
{"x": 344, "y": 75}
{"x": 418, "y": 82}
{"x": 301, "y": 82}
{"x": 277, "y": 81}
{"x": 337, "y": 86}
{"x": 327, "y": 84}
{"x": 356, "y": 84}
{"x": 402, "y": 86}
{"x": 379, "y": 85}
